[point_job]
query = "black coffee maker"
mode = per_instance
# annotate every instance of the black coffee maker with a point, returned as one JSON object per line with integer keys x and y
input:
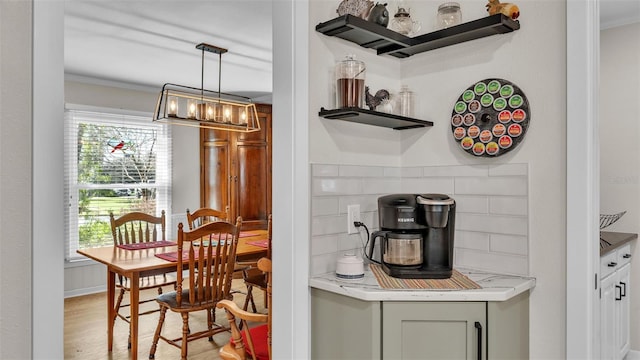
{"x": 417, "y": 235}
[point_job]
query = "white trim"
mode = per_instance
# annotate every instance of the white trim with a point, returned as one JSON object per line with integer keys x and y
{"x": 582, "y": 252}
{"x": 291, "y": 328}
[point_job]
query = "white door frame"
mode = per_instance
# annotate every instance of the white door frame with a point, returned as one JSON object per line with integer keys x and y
{"x": 583, "y": 180}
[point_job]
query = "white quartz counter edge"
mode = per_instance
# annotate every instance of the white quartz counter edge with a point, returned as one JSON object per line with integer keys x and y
{"x": 495, "y": 287}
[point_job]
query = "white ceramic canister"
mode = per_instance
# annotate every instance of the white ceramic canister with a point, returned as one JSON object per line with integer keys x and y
{"x": 349, "y": 267}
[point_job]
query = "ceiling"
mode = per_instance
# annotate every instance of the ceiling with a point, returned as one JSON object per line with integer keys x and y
{"x": 151, "y": 42}
{"x": 618, "y": 12}
{"x": 146, "y": 43}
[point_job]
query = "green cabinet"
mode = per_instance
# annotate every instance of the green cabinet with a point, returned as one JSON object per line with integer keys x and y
{"x": 346, "y": 328}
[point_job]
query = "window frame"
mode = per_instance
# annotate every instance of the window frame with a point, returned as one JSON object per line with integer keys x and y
{"x": 77, "y": 114}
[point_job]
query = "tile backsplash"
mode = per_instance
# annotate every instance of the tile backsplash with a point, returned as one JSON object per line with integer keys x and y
{"x": 491, "y": 210}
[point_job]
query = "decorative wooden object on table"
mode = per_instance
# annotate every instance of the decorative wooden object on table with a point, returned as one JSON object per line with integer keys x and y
{"x": 253, "y": 343}
{"x": 139, "y": 230}
{"x": 211, "y": 250}
{"x": 206, "y": 215}
{"x": 256, "y": 278}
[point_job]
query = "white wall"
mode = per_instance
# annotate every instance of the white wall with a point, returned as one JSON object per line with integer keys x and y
{"x": 534, "y": 58}
{"x": 619, "y": 133}
{"x": 15, "y": 179}
{"x": 87, "y": 277}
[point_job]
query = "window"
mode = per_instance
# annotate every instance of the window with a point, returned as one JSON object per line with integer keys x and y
{"x": 113, "y": 163}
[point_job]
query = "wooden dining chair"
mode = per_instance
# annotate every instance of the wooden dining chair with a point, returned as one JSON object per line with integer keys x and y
{"x": 209, "y": 258}
{"x": 206, "y": 215}
{"x": 254, "y": 278}
{"x": 254, "y": 342}
{"x": 133, "y": 228}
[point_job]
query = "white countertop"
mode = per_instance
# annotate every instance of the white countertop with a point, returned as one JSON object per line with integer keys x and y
{"x": 495, "y": 287}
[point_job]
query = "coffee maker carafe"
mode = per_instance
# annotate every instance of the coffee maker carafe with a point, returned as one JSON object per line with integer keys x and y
{"x": 416, "y": 232}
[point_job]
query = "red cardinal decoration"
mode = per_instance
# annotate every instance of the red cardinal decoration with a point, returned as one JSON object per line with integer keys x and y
{"x": 508, "y": 9}
{"x": 118, "y": 146}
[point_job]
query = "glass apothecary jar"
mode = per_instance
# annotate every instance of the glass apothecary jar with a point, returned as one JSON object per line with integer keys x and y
{"x": 350, "y": 75}
{"x": 449, "y": 14}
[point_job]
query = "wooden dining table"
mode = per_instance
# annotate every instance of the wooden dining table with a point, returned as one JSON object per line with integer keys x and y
{"x": 132, "y": 263}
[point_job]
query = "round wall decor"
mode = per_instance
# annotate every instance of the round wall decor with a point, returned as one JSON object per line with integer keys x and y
{"x": 490, "y": 118}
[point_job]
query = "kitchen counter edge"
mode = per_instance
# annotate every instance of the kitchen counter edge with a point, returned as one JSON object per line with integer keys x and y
{"x": 614, "y": 240}
{"x": 495, "y": 287}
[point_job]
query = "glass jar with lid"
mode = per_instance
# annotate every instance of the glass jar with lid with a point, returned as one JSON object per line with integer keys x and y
{"x": 449, "y": 14}
{"x": 350, "y": 75}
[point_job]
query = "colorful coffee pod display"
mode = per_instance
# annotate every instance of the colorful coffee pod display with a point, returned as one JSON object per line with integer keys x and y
{"x": 490, "y": 118}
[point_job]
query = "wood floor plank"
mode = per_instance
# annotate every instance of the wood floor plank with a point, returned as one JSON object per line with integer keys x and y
{"x": 85, "y": 329}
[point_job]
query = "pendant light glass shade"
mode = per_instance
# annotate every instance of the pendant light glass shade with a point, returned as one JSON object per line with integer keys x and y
{"x": 198, "y": 107}
{"x": 183, "y": 105}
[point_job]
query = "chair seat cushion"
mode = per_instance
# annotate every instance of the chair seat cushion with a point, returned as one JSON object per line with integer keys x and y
{"x": 259, "y": 280}
{"x": 259, "y": 336}
{"x": 170, "y": 300}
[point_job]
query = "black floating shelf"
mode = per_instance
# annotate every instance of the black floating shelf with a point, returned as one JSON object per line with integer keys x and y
{"x": 371, "y": 35}
{"x": 375, "y": 118}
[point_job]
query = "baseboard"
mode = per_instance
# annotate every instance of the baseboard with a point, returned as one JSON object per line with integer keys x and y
{"x": 633, "y": 355}
{"x": 85, "y": 291}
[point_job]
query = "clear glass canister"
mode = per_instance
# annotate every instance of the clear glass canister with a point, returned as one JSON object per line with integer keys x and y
{"x": 406, "y": 101}
{"x": 350, "y": 75}
{"x": 449, "y": 14}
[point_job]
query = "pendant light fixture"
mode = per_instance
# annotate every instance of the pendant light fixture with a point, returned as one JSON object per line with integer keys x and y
{"x": 189, "y": 106}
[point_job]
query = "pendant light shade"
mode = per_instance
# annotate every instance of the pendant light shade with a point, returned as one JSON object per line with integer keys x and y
{"x": 198, "y": 107}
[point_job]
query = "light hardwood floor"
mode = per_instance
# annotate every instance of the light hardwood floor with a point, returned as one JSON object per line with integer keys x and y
{"x": 85, "y": 329}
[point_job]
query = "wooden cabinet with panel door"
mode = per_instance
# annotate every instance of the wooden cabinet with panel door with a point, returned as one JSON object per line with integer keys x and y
{"x": 236, "y": 171}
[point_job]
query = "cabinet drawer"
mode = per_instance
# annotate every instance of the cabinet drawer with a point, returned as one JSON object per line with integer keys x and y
{"x": 608, "y": 264}
{"x": 624, "y": 255}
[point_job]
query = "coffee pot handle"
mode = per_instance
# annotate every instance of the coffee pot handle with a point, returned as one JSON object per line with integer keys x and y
{"x": 375, "y": 235}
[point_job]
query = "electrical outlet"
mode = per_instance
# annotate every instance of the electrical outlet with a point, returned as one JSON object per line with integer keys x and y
{"x": 353, "y": 214}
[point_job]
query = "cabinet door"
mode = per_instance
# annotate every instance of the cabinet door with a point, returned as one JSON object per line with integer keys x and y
{"x": 251, "y": 171}
{"x": 434, "y": 330}
{"x": 623, "y": 310}
{"x": 343, "y": 327}
{"x": 609, "y": 291}
{"x": 215, "y": 174}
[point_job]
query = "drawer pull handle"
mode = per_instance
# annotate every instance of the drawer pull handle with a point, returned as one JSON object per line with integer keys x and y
{"x": 479, "y": 327}
{"x": 618, "y": 287}
{"x": 612, "y": 264}
{"x": 626, "y": 256}
{"x": 623, "y": 291}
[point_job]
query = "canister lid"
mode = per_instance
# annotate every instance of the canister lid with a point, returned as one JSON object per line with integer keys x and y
{"x": 434, "y": 199}
{"x": 449, "y": 6}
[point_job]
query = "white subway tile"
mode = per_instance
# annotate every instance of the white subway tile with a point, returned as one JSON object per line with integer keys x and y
{"x": 324, "y": 244}
{"x": 366, "y": 202}
{"x": 471, "y": 204}
{"x": 411, "y": 172}
{"x": 509, "y": 170}
{"x": 516, "y": 185}
{"x": 324, "y": 206}
{"x": 361, "y": 171}
{"x": 393, "y": 171}
{"x": 336, "y": 186}
{"x": 352, "y": 243}
{"x": 471, "y": 240}
{"x": 322, "y": 264}
{"x": 508, "y": 205}
{"x": 456, "y": 170}
{"x": 326, "y": 225}
{"x": 504, "y": 264}
{"x": 509, "y": 244}
{"x": 380, "y": 185}
{"x": 324, "y": 170}
{"x": 499, "y": 224}
{"x": 439, "y": 185}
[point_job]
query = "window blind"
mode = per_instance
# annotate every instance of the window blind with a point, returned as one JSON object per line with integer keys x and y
{"x": 114, "y": 162}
